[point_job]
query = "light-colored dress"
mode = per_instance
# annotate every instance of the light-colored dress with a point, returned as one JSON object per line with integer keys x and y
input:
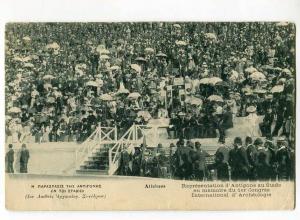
{"x": 252, "y": 125}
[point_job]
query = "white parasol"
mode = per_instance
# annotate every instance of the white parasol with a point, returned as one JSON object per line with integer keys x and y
{"x": 136, "y": 67}
{"x": 134, "y": 95}
{"x": 28, "y": 65}
{"x": 104, "y": 51}
{"x": 277, "y": 89}
{"x": 214, "y": 80}
{"x": 181, "y": 43}
{"x": 258, "y": 76}
{"x": 160, "y": 54}
{"x": 92, "y": 83}
{"x": 104, "y": 57}
{"x": 149, "y": 50}
{"x": 211, "y": 36}
{"x": 215, "y": 98}
{"x": 194, "y": 100}
{"x": 26, "y": 38}
{"x": 53, "y": 46}
{"x": 106, "y": 97}
{"x": 250, "y": 70}
{"x": 48, "y": 76}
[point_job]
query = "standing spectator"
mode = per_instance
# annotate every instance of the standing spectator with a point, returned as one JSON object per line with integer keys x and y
{"x": 265, "y": 126}
{"x": 9, "y": 159}
{"x": 251, "y": 150}
{"x": 283, "y": 158}
{"x": 24, "y": 157}
{"x": 221, "y": 167}
{"x": 199, "y": 162}
{"x": 238, "y": 161}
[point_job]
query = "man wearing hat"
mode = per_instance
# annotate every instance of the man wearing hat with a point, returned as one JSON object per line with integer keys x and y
{"x": 263, "y": 165}
{"x": 9, "y": 159}
{"x": 199, "y": 165}
{"x": 283, "y": 158}
{"x": 24, "y": 157}
{"x": 251, "y": 150}
{"x": 265, "y": 126}
{"x": 225, "y": 123}
{"x": 238, "y": 161}
{"x": 181, "y": 125}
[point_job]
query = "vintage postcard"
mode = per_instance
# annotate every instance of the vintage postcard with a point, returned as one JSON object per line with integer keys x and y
{"x": 150, "y": 116}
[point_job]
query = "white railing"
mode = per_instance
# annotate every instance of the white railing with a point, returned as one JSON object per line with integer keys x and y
{"x": 133, "y": 137}
{"x": 94, "y": 141}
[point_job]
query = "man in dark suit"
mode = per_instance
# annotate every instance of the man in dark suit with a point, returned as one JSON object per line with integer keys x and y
{"x": 9, "y": 158}
{"x": 225, "y": 123}
{"x": 252, "y": 155}
{"x": 24, "y": 159}
{"x": 200, "y": 162}
{"x": 265, "y": 126}
{"x": 238, "y": 161}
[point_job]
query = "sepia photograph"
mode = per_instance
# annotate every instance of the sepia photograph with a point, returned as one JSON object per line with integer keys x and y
{"x": 199, "y": 102}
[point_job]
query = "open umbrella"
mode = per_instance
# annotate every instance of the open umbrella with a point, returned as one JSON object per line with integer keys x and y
{"x": 210, "y": 36}
{"x": 104, "y": 57}
{"x": 194, "y": 101}
{"x": 177, "y": 25}
{"x": 48, "y": 76}
{"x": 26, "y": 38}
{"x": 141, "y": 59}
{"x": 160, "y": 54}
{"x": 92, "y": 83}
{"x": 180, "y": 43}
{"x": 115, "y": 67}
{"x": 53, "y": 46}
{"x": 211, "y": 80}
{"x": 214, "y": 80}
{"x": 28, "y": 65}
{"x": 204, "y": 81}
{"x": 104, "y": 51}
{"x": 14, "y": 110}
{"x": 106, "y": 97}
{"x": 136, "y": 67}
{"x": 277, "y": 89}
{"x": 258, "y": 76}
{"x": 215, "y": 98}
{"x": 134, "y": 95}
{"x": 250, "y": 70}
{"x": 149, "y": 50}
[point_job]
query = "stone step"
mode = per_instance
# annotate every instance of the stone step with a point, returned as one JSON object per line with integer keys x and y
{"x": 87, "y": 162}
{"x": 98, "y": 158}
{"x": 92, "y": 172}
{"x": 99, "y": 167}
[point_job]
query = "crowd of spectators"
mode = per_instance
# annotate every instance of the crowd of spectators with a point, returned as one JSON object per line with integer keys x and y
{"x": 64, "y": 79}
{"x": 187, "y": 160}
